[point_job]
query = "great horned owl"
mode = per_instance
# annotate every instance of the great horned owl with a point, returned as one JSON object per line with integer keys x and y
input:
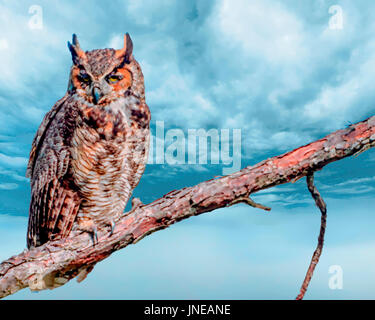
{"x": 91, "y": 149}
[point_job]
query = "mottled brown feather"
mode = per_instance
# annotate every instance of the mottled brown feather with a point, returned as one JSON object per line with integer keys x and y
{"x": 48, "y": 166}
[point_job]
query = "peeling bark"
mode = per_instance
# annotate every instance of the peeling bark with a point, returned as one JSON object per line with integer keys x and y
{"x": 56, "y": 262}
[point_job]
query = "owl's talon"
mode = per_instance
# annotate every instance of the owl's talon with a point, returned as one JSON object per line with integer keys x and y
{"x": 113, "y": 225}
{"x": 94, "y": 234}
{"x": 136, "y": 203}
{"x": 90, "y": 228}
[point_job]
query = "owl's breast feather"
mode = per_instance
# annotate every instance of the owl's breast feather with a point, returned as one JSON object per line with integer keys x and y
{"x": 98, "y": 168}
{"x": 108, "y": 155}
{"x": 108, "y": 124}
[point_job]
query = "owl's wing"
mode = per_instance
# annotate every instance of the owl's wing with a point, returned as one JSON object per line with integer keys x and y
{"x": 54, "y": 202}
{"x": 139, "y": 156}
{"x": 38, "y": 139}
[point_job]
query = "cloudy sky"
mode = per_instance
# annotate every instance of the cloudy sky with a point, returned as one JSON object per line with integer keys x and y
{"x": 283, "y": 72}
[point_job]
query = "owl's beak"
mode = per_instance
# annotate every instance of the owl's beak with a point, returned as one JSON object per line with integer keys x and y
{"x": 96, "y": 94}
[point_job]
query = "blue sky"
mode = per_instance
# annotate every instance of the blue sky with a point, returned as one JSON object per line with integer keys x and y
{"x": 275, "y": 70}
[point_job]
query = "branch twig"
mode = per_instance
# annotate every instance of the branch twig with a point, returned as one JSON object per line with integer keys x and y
{"x": 56, "y": 262}
{"x": 249, "y": 202}
{"x": 318, "y": 251}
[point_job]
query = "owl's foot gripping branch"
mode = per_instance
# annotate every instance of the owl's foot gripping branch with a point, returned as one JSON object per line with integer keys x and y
{"x": 56, "y": 262}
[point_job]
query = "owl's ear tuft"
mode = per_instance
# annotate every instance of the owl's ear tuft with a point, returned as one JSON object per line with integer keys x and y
{"x": 75, "y": 41}
{"x": 75, "y": 50}
{"x": 126, "y": 52}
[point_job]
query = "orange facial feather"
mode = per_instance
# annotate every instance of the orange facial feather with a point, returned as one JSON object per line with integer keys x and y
{"x": 125, "y": 82}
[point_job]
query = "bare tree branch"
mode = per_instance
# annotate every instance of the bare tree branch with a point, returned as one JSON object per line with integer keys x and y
{"x": 56, "y": 262}
{"x": 318, "y": 251}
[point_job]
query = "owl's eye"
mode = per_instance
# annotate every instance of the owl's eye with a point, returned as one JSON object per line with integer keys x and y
{"x": 84, "y": 77}
{"x": 113, "y": 78}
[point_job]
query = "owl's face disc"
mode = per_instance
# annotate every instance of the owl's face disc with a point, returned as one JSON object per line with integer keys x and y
{"x": 101, "y": 76}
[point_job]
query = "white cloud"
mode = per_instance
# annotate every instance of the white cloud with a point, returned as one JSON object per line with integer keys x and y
{"x": 13, "y": 162}
{"x": 28, "y": 49}
{"x": 148, "y": 12}
{"x": 356, "y": 181}
{"x": 336, "y": 105}
{"x": 4, "y": 44}
{"x": 352, "y": 191}
{"x": 356, "y": 186}
{"x": 13, "y": 175}
{"x": 116, "y": 42}
{"x": 176, "y": 95}
{"x": 8, "y": 186}
{"x": 319, "y": 79}
{"x": 281, "y": 199}
{"x": 264, "y": 29}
